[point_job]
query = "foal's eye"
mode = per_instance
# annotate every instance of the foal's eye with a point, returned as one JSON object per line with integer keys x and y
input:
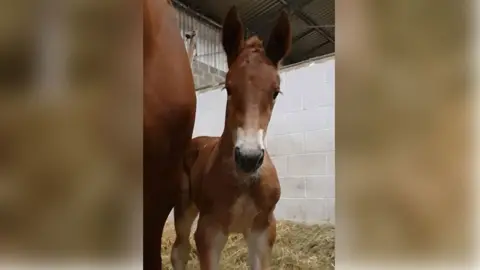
{"x": 275, "y": 94}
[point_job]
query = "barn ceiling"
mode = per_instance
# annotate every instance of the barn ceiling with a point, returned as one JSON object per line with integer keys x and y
{"x": 312, "y": 21}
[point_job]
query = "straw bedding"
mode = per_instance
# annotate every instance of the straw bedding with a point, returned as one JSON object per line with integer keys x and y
{"x": 298, "y": 246}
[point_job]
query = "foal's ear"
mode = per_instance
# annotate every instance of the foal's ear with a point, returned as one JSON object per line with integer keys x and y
{"x": 232, "y": 35}
{"x": 280, "y": 40}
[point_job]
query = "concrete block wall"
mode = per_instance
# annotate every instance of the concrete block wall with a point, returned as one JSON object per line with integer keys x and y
{"x": 205, "y": 75}
{"x": 300, "y": 138}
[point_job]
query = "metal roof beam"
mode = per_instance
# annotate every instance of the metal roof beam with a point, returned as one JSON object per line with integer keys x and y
{"x": 266, "y": 9}
{"x": 302, "y": 35}
{"x": 309, "y": 21}
{"x": 201, "y": 17}
{"x": 298, "y": 5}
{"x": 261, "y": 9}
{"x": 195, "y": 14}
{"x": 312, "y": 50}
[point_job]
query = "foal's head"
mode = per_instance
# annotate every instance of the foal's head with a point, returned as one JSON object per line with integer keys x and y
{"x": 252, "y": 85}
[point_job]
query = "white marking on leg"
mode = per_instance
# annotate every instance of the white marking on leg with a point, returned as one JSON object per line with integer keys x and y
{"x": 178, "y": 260}
{"x": 218, "y": 243}
{"x": 257, "y": 248}
{"x": 181, "y": 250}
{"x": 181, "y": 255}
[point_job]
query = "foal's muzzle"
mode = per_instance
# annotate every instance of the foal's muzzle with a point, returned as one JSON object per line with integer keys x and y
{"x": 249, "y": 161}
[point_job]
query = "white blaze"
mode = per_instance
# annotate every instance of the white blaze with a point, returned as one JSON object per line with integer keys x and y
{"x": 250, "y": 140}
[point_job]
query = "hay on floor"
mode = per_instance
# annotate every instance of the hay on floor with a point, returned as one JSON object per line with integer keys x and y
{"x": 298, "y": 246}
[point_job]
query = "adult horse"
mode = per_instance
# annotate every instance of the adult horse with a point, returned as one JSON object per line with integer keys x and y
{"x": 168, "y": 119}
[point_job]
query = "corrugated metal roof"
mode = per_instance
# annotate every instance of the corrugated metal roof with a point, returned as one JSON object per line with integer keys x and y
{"x": 322, "y": 11}
{"x": 312, "y": 21}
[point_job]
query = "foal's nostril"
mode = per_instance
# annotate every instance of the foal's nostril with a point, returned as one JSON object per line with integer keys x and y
{"x": 238, "y": 154}
{"x": 260, "y": 157}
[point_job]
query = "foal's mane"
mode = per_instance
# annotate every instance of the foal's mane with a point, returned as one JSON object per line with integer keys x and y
{"x": 254, "y": 43}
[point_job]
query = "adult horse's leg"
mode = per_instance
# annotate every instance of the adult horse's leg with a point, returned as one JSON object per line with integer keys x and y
{"x": 162, "y": 178}
{"x": 153, "y": 229}
{"x": 156, "y": 204}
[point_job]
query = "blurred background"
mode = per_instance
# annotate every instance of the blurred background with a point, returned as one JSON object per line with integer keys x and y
{"x": 70, "y": 128}
{"x": 403, "y": 131}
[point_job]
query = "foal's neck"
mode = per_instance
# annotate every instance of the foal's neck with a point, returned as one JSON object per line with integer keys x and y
{"x": 226, "y": 144}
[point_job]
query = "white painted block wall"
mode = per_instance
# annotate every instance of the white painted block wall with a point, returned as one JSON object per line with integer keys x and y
{"x": 300, "y": 138}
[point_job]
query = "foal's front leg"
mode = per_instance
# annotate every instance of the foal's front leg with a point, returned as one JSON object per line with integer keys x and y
{"x": 210, "y": 240}
{"x": 260, "y": 240}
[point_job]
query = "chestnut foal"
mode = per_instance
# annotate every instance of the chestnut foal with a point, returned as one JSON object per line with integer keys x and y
{"x": 231, "y": 180}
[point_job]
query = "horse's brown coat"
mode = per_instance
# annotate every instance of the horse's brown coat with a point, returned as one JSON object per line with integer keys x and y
{"x": 169, "y": 114}
{"x": 228, "y": 199}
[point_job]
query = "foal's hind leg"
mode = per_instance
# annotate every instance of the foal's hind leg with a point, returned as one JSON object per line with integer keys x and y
{"x": 184, "y": 217}
{"x": 185, "y": 213}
